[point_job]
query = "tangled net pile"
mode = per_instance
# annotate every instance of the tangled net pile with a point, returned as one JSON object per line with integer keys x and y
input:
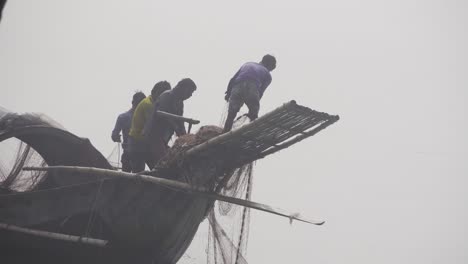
{"x": 185, "y": 142}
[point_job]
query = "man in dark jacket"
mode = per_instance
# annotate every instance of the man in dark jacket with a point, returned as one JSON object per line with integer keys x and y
{"x": 123, "y": 123}
{"x": 247, "y": 86}
{"x": 160, "y": 129}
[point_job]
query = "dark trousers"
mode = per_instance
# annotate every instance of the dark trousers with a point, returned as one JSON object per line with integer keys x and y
{"x": 140, "y": 155}
{"x": 150, "y": 154}
{"x": 140, "y": 159}
{"x": 243, "y": 93}
{"x": 126, "y": 162}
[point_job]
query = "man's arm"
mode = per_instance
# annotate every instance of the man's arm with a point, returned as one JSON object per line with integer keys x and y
{"x": 117, "y": 128}
{"x": 164, "y": 103}
{"x": 178, "y": 125}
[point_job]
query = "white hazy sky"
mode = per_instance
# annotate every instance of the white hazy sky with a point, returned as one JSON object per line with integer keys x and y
{"x": 390, "y": 178}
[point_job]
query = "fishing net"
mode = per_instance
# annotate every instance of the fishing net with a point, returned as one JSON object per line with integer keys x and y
{"x": 227, "y": 233}
{"x": 35, "y": 140}
{"x": 115, "y": 155}
{"x": 229, "y": 224}
{"x": 16, "y": 154}
{"x": 176, "y": 153}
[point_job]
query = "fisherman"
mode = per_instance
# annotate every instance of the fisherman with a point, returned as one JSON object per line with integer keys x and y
{"x": 139, "y": 148}
{"x": 160, "y": 129}
{"x": 247, "y": 86}
{"x": 123, "y": 123}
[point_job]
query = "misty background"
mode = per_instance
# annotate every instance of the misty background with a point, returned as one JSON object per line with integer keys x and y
{"x": 389, "y": 178}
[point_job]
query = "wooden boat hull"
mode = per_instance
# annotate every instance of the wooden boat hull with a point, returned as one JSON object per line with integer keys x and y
{"x": 139, "y": 223}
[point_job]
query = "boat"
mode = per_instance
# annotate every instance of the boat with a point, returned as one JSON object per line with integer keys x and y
{"x": 80, "y": 209}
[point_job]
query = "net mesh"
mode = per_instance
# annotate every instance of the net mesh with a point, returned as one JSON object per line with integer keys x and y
{"x": 114, "y": 157}
{"x": 16, "y": 154}
{"x": 228, "y": 229}
{"x": 225, "y": 235}
{"x": 229, "y": 224}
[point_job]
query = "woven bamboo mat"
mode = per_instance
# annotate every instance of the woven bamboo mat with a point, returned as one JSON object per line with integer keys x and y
{"x": 268, "y": 134}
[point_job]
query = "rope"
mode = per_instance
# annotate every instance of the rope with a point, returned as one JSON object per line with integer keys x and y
{"x": 112, "y": 152}
{"x": 109, "y": 158}
{"x": 93, "y": 207}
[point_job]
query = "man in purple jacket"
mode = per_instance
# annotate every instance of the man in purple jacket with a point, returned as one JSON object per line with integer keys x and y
{"x": 247, "y": 86}
{"x": 123, "y": 123}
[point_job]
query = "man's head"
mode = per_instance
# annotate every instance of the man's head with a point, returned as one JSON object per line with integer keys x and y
{"x": 185, "y": 88}
{"x": 269, "y": 62}
{"x": 137, "y": 98}
{"x": 159, "y": 88}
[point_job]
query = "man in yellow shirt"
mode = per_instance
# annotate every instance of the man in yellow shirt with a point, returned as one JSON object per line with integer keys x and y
{"x": 139, "y": 147}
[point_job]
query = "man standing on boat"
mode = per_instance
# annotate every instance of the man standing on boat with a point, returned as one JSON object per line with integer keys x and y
{"x": 160, "y": 129}
{"x": 123, "y": 123}
{"x": 247, "y": 86}
{"x": 140, "y": 151}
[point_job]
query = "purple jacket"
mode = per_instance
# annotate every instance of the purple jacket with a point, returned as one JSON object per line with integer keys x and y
{"x": 251, "y": 71}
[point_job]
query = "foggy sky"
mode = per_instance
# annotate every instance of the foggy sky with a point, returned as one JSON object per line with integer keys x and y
{"x": 389, "y": 178}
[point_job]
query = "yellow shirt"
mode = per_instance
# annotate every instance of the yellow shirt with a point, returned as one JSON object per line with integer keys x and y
{"x": 140, "y": 117}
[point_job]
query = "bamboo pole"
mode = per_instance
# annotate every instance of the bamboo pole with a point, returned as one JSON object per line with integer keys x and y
{"x": 178, "y": 118}
{"x": 181, "y": 186}
{"x": 56, "y": 236}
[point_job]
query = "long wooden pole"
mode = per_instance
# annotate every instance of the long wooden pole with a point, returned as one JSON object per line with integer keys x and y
{"x": 178, "y": 117}
{"x": 57, "y": 236}
{"x": 181, "y": 186}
